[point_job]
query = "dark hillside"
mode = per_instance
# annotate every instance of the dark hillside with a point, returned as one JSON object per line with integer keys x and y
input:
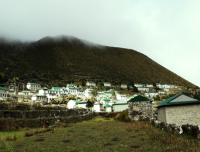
{"x": 66, "y": 55}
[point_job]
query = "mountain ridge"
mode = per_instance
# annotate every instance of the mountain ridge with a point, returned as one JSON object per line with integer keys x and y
{"x": 68, "y": 54}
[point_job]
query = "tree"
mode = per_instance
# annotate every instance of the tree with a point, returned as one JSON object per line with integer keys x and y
{"x": 16, "y": 79}
{"x": 113, "y": 92}
{"x": 99, "y": 86}
{"x": 3, "y": 78}
{"x": 83, "y": 82}
{"x": 94, "y": 92}
{"x": 89, "y": 104}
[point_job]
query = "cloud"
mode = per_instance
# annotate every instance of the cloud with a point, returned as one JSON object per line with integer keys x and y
{"x": 166, "y": 31}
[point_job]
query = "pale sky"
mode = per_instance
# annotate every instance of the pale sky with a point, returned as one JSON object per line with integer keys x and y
{"x": 167, "y": 31}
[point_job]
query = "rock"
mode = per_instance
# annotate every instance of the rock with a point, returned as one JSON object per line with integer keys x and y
{"x": 3, "y": 107}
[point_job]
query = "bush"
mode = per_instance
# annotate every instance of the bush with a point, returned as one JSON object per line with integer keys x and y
{"x": 123, "y": 116}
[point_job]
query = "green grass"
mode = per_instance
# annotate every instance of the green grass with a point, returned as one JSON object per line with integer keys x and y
{"x": 104, "y": 135}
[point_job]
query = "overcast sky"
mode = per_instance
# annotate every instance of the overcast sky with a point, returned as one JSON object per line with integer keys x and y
{"x": 167, "y": 31}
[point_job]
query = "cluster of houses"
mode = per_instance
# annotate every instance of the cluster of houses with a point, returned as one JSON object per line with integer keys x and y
{"x": 39, "y": 94}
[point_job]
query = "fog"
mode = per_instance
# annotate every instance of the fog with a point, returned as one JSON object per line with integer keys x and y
{"x": 166, "y": 31}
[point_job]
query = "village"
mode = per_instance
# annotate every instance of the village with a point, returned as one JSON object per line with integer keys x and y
{"x": 74, "y": 96}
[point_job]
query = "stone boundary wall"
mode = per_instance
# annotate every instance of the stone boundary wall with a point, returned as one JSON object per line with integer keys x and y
{"x": 139, "y": 111}
{"x": 192, "y": 130}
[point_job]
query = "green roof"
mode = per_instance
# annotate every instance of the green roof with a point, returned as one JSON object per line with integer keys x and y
{"x": 80, "y": 90}
{"x": 114, "y": 89}
{"x": 139, "y": 99}
{"x": 53, "y": 90}
{"x": 169, "y": 103}
{"x": 2, "y": 88}
{"x": 106, "y": 99}
{"x": 34, "y": 83}
{"x": 76, "y": 101}
{"x": 108, "y": 105}
{"x": 42, "y": 88}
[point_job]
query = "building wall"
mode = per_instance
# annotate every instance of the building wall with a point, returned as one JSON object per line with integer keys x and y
{"x": 118, "y": 108}
{"x": 82, "y": 106}
{"x": 162, "y": 114}
{"x": 183, "y": 114}
{"x": 140, "y": 110}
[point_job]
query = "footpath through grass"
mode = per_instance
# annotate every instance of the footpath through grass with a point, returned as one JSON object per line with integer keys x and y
{"x": 100, "y": 135}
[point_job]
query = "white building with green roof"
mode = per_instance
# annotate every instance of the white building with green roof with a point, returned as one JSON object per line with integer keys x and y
{"x": 119, "y": 105}
{"x": 88, "y": 93}
{"x": 151, "y": 94}
{"x": 91, "y": 83}
{"x": 33, "y": 86}
{"x": 72, "y": 104}
{"x": 107, "y": 84}
{"x": 143, "y": 89}
{"x": 179, "y": 109}
{"x": 39, "y": 97}
{"x": 98, "y": 107}
{"x": 124, "y": 86}
{"x": 3, "y": 92}
{"x": 121, "y": 97}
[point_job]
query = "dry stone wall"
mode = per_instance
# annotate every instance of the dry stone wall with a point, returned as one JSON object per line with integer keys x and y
{"x": 192, "y": 130}
{"x": 139, "y": 111}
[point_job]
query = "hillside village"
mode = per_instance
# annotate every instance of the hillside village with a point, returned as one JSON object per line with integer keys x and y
{"x": 77, "y": 96}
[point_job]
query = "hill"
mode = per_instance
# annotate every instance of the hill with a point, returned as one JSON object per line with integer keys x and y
{"x": 69, "y": 55}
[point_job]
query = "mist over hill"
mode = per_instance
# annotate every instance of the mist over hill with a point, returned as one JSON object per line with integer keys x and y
{"x": 68, "y": 55}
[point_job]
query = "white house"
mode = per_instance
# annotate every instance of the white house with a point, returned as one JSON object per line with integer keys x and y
{"x": 108, "y": 108}
{"x": 124, "y": 86}
{"x": 88, "y": 93}
{"x": 43, "y": 91}
{"x": 105, "y": 101}
{"x": 98, "y": 107}
{"x": 39, "y": 97}
{"x": 107, "y": 94}
{"x": 33, "y": 86}
{"x": 162, "y": 92}
{"x": 179, "y": 109}
{"x": 139, "y": 85}
{"x": 72, "y": 85}
{"x": 72, "y": 90}
{"x": 151, "y": 94}
{"x": 107, "y": 84}
{"x": 119, "y": 106}
{"x": 143, "y": 89}
{"x": 121, "y": 97}
{"x": 72, "y": 103}
{"x": 3, "y": 92}
{"x": 82, "y": 104}
{"x": 91, "y": 83}
{"x": 149, "y": 85}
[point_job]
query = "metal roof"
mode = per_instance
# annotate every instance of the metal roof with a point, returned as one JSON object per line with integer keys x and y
{"x": 108, "y": 106}
{"x": 169, "y": 103}
{"x": 139, "y": 99}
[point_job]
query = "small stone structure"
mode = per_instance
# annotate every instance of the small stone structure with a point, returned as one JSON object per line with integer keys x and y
{"x": 139, "y": 111}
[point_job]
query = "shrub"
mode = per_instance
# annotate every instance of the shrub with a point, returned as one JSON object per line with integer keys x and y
{"x": 123, "y": 116}
{"x": 4, "y": 146}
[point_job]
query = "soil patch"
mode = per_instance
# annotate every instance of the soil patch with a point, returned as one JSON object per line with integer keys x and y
{"x": 136, "y": 146}
{"x": 66, "y": 141}
{"x": 39, "y": 139}
{"x": 108, "y": 144}
{"x": 115, "y": 139}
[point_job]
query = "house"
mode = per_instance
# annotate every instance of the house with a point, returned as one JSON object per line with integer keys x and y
{"x": 105, "y": 101}
{"x": 108, "y": 108}
{"x": 98, "y": 107}
{"x": 82, "y": 104}
{"x": 72, "y": 103}
{"x": 107, "y": 94}
{"x": 107, "y": 84}
{"x": 139, "y": 85}
{"x": 33, "y": 86}
{"x": 121, "y": 97}
{"x": 91, "y": 83}
{"x": 179, "y": 109}
{"x": 43, "y": 91}
{"x": 3, "y": 92}
{"x": 72, "y": 90}
{"x": 39, "y": 97}
{"x": 143, "y": 89}
{"x": 151, "y": 94}
{"x": 149, "y": 85}
{"x": 119, "y": 106}
{"x": 72, "y": 85}
{"x": 12, "y": 87}
{"x": 162, "y": 92}
{"x": 88, "y": 93}
{"x": 124, "y": 86}
{"x": 166, "y": 89}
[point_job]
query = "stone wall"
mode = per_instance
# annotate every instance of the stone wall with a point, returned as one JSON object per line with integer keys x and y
{"x": 182, "y": 114}
{"x": 139, "y": 111}
{"x": 192, "y": 130}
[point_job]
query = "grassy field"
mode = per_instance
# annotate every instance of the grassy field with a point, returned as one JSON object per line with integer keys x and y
{"x": 100, "y": 135}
